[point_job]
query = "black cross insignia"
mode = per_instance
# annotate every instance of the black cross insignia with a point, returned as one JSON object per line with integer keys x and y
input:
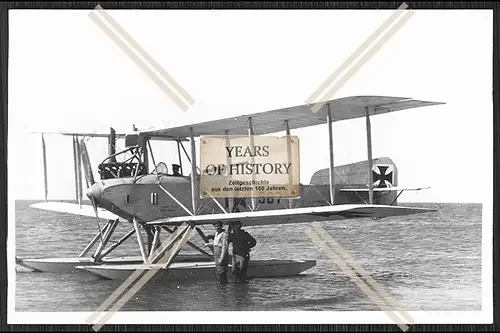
{"x": 382, "y": 178}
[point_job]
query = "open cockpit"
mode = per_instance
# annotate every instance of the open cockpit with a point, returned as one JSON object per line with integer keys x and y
{"x": 134, "y": 161}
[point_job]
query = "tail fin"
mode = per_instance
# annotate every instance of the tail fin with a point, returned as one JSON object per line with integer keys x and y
{"x": 385, "y": 174}
{"x": 352, "y": 181}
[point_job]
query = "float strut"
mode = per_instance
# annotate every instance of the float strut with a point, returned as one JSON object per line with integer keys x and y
{"x": 139, "y": 239}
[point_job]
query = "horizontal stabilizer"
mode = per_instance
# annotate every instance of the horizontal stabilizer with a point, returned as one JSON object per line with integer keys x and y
{"x": 71, "y": 208}
{"x": 297, "y": 215}
{"x": 383, "y": 189}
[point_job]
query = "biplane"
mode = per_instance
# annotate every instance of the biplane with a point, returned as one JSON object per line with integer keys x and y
{"x": 155, "y": 198}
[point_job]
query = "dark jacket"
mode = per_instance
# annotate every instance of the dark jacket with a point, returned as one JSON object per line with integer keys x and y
{"x": 242, "y": 242}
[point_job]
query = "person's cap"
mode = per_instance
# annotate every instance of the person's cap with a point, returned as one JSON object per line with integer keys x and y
{"x": 238, "y": 224}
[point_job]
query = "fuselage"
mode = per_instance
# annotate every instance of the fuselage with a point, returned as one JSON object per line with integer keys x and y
{"x": 152, "y": 197}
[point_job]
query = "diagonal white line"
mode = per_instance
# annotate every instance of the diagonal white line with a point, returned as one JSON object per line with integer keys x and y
{"x": 165, "y": 81}
{"x": 132, "y": 278}
{"x": 315, "y": 97}
{"x": 357, "y": 53}
{"x": 376, "y": 298}
{"x": 356, "y": 266}
{"x": 118, "y": 292}
{"x": 152, "y": 272}
{"x": 340, "y": 256}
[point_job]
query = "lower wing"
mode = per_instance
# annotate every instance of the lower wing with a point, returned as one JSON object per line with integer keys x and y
{"x": 75, "y": 209}
{"x": 382, "y": 189}
{"x": 265, "y": 217}
{"x": 297, "y": 215}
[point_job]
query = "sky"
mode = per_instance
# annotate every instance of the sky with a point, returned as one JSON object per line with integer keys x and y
{"x": 65, "y": 74}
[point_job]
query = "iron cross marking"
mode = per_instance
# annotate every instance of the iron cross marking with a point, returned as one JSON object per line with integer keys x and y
{"x": 381, "y": 179}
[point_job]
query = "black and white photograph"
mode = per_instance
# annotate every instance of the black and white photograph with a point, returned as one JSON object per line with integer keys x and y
{"x": 250, "y": 166}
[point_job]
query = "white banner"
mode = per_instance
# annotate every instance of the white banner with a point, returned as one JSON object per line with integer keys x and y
{"x": 249, "y": 166}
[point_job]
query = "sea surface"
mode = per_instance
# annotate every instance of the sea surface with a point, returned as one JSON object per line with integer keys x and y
{"x": 429, "y": 262}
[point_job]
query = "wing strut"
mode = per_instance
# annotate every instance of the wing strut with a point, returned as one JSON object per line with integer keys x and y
{"x": 45, "y": 168}
{"x": 79, "y": 171}
{"x": 176, "y": 200}
{"x": 330, "y": 144}
{"x": 179, "y": 154}
{"x": 164, "y": 189}
{"x": 251, "y": 133}
{"x": 194, "y": 181}
{"x": 369, "y": 147}
{"x": 75, "y": 161}
{"x": 187, "y": 156}
{"x": 154, "y": 162}
{"x": 395, "y": 199}
{"x": 287, "y": 128}
{"x": 230, "y": 201}
{"x": 145, "y": 153}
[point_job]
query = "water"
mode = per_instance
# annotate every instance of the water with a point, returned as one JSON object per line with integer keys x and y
{"x": 426, "y": 262}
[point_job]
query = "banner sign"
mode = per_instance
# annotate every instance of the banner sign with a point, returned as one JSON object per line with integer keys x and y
{"x": 249, "y": 166}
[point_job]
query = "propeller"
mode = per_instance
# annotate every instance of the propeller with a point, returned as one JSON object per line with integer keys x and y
{"x": 112, "y": 144}
{"x": 89, "y": 179}
{"x": 89, "y": 176}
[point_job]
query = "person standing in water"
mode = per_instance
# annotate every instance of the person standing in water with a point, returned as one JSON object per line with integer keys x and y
{"x": 221, "y": 253}
{"x": 242, "y": 242}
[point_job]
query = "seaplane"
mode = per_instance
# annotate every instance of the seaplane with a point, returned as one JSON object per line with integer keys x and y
{"x": 154, "y": 199}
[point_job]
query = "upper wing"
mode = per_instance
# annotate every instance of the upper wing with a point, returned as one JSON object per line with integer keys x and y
{"x": 70, "y": 208}
{"x": 117, "y": 135}
{"x": 383, "y": 189}
{"x": 297, "y": 116}
{"x": 297, "y": 215}
{"x": 87, "y": 134}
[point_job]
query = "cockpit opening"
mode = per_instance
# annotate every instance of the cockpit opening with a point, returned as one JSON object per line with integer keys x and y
{"x": 135, "y": 161}
{"x": 120, "y": 170}
{"x": 111, "y": 168}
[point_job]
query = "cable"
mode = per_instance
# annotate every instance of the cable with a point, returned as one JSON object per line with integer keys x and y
{"x": 281, "y": 226}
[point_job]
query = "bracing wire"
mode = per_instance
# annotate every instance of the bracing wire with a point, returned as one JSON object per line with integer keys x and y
{"x": 272, "y": 236}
